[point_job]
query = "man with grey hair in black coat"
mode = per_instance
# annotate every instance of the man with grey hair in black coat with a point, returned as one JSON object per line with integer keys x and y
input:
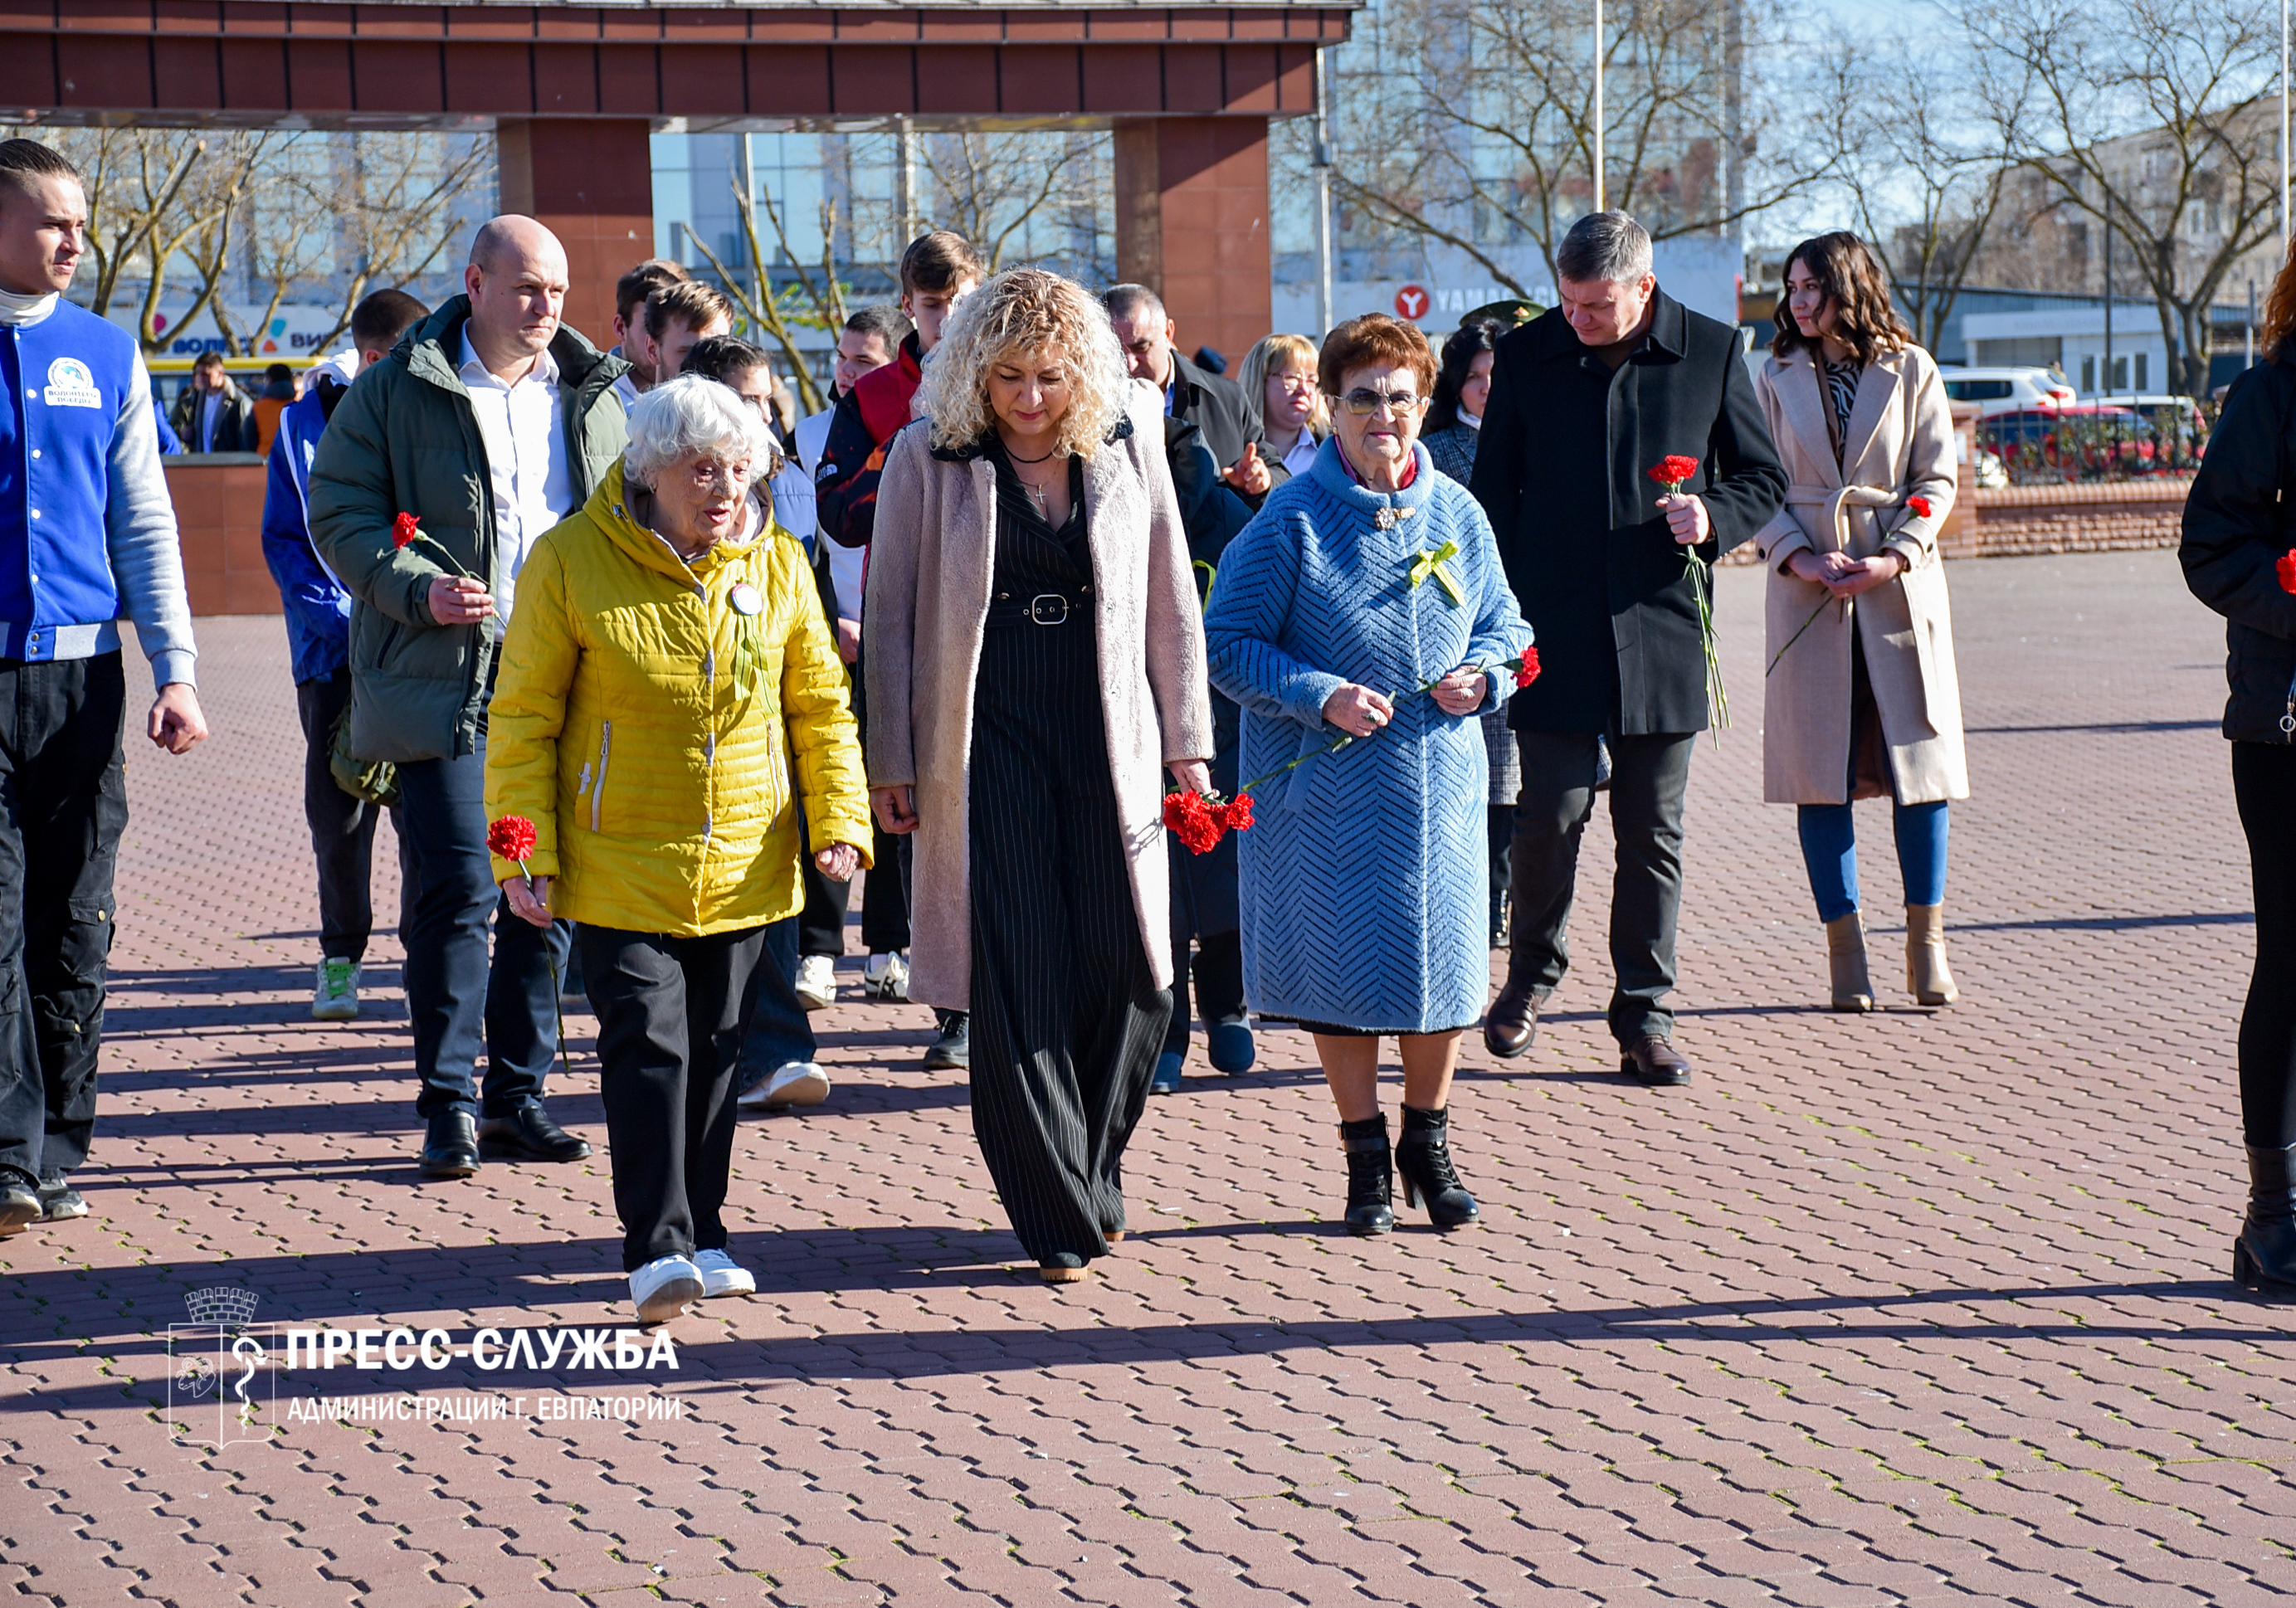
{"x": 1585, "y": 402}
{"x": 1212, "y": 403}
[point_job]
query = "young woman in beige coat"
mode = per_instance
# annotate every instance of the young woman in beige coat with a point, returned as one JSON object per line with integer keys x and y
{"x": 1861, "y": 699}
{"x": 1036, "y": 665}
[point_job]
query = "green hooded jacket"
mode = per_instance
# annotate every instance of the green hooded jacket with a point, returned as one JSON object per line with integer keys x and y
{"x": 406, "y": 441}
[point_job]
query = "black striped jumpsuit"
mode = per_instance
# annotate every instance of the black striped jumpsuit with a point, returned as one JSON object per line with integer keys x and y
{"x": 1067, "y": 1019}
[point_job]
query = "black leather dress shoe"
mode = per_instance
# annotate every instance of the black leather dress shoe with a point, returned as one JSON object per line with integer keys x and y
{"x": 1655, "y": 1062}
{"x": 450, "y": 1146}
{"x": 1513, "y": 1025}
{"x": 528, "y": 1134}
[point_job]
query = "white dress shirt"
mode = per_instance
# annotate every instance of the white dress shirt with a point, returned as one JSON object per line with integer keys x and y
{"x": 523, "y": 428}
{"x": 1302, "y": 454}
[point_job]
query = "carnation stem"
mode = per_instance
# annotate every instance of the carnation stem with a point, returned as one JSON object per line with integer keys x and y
{"x": 557, "y": 988}
{"x": 1718, "y": 697}
{"x": 1341, "y": 741}
{"x": 1796, "y": 637}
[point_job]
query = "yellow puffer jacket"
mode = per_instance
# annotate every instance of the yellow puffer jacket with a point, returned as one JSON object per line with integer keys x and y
{"x": 645, "y": 726}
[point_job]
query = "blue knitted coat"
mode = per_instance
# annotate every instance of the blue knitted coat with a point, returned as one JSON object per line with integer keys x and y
{"x": 1367, "y": 878}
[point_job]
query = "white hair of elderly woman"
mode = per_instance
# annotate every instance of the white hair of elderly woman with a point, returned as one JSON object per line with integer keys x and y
{"x": 694, "y": 416}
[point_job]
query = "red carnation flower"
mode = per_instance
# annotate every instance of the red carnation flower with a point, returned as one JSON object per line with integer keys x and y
{"x": 1526, "y": 669}
{"x": 513, "y": 837}
{"x": 1673, "y": 469}
{"x": 2288, "y": 571}
{"x": 1920, "y": 506}
{"x": 1236, "y": 816}
{"x": 1192, "y": 819}
{"x": 403, "y": 529}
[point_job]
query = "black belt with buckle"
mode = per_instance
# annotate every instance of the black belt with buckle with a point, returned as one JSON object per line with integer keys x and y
{"x": 1045, "y": 608}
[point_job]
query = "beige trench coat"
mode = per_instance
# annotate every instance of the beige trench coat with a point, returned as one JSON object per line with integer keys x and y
{"x": 930, "y": 566}
{"x": 1900, "y": 445}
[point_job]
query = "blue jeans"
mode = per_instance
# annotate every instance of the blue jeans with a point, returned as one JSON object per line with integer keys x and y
{"x": 779, "y": 1030}
{"x": 1829, "y": 847}
{"x": 456, "y": 998}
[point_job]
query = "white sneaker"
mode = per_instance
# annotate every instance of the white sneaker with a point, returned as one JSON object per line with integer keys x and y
{"x": 800, "y": 1083}
{"x": 334, "y": 997}
{"x": 817, "y": 981}
{"x": 665, "y": 1287}
{"x": 886, "y": 977}
{"x": 721, "y": 1274}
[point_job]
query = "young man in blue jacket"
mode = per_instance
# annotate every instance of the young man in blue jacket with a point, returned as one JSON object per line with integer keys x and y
{"x": 318, "y": 636}
{"x": 87, "y": 537}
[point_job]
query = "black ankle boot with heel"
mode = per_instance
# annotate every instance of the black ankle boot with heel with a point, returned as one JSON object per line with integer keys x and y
{"x": 2264, "y": 1256}
{"x": 1370, "y": 1167}
{"x": 1423, "y": 1158}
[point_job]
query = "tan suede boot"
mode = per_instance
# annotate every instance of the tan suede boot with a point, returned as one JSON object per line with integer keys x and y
{"x": 1845, "y": 952}
{"x": 1926, "y": 976}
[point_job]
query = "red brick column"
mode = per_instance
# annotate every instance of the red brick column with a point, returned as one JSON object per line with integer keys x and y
{"x": 1192, "y": 223}
{"x": 591, "y": 180}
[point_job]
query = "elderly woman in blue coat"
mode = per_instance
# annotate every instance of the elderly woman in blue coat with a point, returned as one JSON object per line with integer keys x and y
{"x": 1367, "y": 599}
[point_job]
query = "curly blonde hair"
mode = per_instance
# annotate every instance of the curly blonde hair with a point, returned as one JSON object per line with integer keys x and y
{"x": 1026, "y": 311}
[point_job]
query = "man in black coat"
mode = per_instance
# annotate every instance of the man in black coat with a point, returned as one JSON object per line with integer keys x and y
{"x": 1212, "y": 403}
{"x": 1585, "y": 401}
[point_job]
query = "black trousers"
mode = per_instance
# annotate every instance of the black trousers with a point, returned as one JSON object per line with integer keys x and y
{"x": 670, "y": 1013}
{"x": 821, "y": 924}
{"x": 2264, "y": 788}
{"x": 1649, "y": 777}
{"x": 342, "y": 827}
{"x": 1218, "y": 970}
{"x": 1067, "y": 1018}
{"x": 458, "y": 999}
{"x": 63, "y": 804}
{"x": 885, "y": 897}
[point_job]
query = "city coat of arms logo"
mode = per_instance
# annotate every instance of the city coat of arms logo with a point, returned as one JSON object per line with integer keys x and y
{"x": 222, "y": 1384}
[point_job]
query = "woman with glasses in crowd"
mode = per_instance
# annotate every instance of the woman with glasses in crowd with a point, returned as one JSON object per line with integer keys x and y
{"x": 671, "y": 695}
{"x": 1285, "y": 419}
{"x": 1036, "y": 665}
{"x": 1363, "y": 579}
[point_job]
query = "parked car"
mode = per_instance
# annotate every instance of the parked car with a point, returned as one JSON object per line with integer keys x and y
{"x": 2078, "y": 441}
{"x": 2000, "y": 391}
{"x": 2166, "y": 413}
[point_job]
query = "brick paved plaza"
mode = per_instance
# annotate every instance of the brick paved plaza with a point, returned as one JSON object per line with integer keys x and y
{"x": 1922, "y": 1307}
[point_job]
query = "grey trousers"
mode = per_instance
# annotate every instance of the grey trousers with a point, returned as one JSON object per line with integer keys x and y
{"x": 1649, "y": 778}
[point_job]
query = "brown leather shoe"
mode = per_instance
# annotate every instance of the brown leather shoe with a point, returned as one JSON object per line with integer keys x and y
{"x": 1655, "y": 1062}
{"x": 1513, "y": 1025}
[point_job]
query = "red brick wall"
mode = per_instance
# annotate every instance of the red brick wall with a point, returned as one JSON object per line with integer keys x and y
{"x": 591, "y": 180}
{"x": 219, "y": 516}
{"x": 1192, "y": 225}
{"x": 2015, "y": 521}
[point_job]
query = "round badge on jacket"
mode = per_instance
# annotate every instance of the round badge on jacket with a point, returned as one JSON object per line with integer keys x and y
{"x": 744, "y": 598}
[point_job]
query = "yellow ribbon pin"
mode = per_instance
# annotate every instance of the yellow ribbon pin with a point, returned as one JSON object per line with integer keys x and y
{"x": 1437, "y": 564}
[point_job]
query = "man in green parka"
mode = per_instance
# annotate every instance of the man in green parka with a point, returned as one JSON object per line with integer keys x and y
{"x": 489, "y": 423}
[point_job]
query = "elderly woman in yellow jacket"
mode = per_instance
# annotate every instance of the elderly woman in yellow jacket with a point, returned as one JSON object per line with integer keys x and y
{"x": 666, "y": 675}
